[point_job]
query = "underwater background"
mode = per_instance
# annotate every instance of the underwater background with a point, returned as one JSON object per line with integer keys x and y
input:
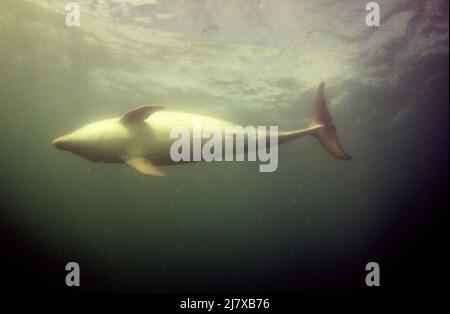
{"x": 311, "y": 226}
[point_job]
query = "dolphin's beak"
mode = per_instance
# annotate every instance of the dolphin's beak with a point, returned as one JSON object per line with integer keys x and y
{"x": 59, "y": 142}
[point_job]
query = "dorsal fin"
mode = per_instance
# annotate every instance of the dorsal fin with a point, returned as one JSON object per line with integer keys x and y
{"x": 139, "y": 114}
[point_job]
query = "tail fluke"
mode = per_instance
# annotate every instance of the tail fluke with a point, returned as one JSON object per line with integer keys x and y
{"x": 326, "y": 133}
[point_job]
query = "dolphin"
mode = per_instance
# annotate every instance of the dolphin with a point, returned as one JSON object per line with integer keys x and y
{"x": 141, "y": 137}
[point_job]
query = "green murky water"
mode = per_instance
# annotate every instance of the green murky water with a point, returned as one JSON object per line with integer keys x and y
{"x": 224, "y": 227}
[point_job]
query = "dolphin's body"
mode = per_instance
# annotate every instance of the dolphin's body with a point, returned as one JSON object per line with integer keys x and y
{"x": 141, "y": 138}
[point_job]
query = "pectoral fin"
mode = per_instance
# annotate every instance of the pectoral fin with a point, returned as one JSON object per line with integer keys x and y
{"x": 143, "y": 166}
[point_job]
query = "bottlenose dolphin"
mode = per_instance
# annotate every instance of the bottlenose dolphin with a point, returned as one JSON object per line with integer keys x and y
{"x": 141, "y": 137}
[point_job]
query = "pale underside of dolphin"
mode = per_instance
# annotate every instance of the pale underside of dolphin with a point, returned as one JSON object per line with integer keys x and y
{"x": 141, "y": 137}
